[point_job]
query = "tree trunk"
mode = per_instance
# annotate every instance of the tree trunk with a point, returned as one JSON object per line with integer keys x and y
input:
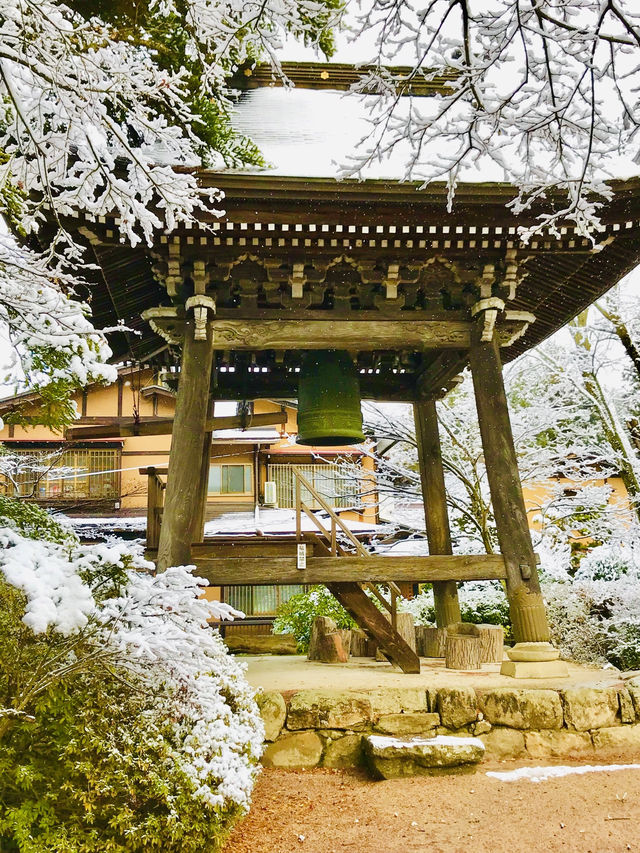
{"x": 430, "y": 641}
{"x": 491, "y": 638}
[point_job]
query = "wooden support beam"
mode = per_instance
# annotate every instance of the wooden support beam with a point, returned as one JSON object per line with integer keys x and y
{"x": 358, "y": 604}
{"x": 330, "y": 333}
{"x": 234, "y": 571}
{"x": 203, "y": 490}
{"x": 523, "y": 588}
{"x": 183, "y": 494}
{"x": 435, "y": 379}
{"x": 434, "y": 498}
{"x": 164, "y": 426}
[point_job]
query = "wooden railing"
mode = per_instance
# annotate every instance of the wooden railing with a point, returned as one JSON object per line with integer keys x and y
{"x": 331, "y": 535}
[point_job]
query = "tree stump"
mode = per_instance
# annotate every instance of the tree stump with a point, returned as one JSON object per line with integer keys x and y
{"x": 333, "y": 647}
{"x": 361, "y": 645}
{"x": 328, "y": 643}
{"x": 463, "y": 649}
{"x": 491, "y": 643}
{"x": 430, "y": 641}
{"x": 404, "y": 627}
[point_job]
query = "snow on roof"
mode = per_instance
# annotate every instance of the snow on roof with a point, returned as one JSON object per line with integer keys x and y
{"x": 266, "y": 521}
{"x": 309, "y": 133}
{"x": 271, "y": 521}
{"x": 252, "y": 436}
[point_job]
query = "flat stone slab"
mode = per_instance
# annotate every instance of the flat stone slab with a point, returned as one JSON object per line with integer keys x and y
{"x": 392, "y": 757}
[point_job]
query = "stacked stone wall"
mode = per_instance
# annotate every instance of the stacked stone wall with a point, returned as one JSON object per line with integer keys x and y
{"x": 325, "y": 728}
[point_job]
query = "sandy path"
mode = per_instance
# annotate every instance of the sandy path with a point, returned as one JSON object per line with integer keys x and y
{"x": 325, "y": 811}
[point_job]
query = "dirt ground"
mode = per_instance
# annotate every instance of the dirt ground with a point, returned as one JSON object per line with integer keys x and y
{"x": 328, "y": 811}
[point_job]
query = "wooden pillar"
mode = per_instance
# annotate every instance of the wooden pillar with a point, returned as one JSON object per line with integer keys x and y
{"x": 523, "y": 588}
{"x": 434, "y": 497}
{"x": 203, "y": 487}
{"x": 183, "y": 491}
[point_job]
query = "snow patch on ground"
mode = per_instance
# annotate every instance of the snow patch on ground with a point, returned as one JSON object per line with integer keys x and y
{"x": 541, "y": 774}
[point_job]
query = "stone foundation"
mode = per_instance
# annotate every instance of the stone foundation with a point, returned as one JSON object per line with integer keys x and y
{"x": 325, "y": 728}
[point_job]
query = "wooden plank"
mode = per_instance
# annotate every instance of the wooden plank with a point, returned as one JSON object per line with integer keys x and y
{"x": 340, "y": 77}
{"x": 246, "y": 334}
{"x": 357, "y": 603}
{"x": 282, "y": 570}
{"x": 164, "y": 426}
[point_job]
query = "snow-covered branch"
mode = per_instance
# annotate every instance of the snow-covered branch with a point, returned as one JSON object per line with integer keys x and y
{"x": 541, "y": 94}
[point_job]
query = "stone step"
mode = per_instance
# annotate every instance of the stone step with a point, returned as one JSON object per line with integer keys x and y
{"x": 393, "y": 757}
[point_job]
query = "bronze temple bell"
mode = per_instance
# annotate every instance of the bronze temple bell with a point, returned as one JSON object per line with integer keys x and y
{"x": 329, "y": 400}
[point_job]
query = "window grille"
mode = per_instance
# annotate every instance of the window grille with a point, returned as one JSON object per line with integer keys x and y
{"x": 81, "y": 473}
{"x": 335, "y": 483}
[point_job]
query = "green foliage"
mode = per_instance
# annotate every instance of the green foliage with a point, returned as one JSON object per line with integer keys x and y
{"x": 91, "y": 767}
{"x": 34, "y": 522}
{"x": 296, "y": 615}
{"x": 55, "y": 408}
{"x": 91, "y": 757}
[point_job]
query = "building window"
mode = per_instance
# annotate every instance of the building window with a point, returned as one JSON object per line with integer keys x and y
{"x": 82, "y": 473}
{"x": 230, "y": 480}
{"x": 335, "y": 484}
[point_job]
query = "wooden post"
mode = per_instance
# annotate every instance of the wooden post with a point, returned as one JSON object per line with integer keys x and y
{"x": 523, "y": 588}
{"x": 434, "y": 496}
{"x": 183, "y": 493}
{"x": 203, "y": 487}
{"x": 154, "y": 506}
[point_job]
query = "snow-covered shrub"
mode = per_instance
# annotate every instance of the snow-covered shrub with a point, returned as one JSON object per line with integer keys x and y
{"x": 33, "y": 521}
{"x": 596, "y": 621}
{"x": 610, "y": 562}
{"x": 124, "y": 724}
{"x": 296, "y": 615}
{"x": 481, "y": 602}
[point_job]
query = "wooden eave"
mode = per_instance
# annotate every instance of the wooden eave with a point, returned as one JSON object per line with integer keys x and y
{"x": 337, "y": 76}
{"x": 563, "y": 276}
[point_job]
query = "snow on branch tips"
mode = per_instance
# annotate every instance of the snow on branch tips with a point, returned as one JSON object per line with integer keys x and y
{"x": 543, "y": 95}
{"x": 98, "y": 111}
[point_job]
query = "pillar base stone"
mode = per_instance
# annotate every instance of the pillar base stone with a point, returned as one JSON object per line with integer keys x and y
{"x": 534, "y": 660}
{"x": 534, "y": 669}
{"x": 533, "y": 652}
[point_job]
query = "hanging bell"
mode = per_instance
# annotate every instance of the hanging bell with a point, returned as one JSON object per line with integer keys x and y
{"x": 329, "y": 400}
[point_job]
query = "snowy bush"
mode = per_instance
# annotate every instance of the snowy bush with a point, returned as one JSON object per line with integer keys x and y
{"x": 481, "y": 602}
{"x": 596, "y": 621}
{"x": 296, "y": 615}
{"x": 124, "y": 724}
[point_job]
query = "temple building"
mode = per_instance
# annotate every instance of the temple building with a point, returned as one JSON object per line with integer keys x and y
{"x": 323, "y": 292}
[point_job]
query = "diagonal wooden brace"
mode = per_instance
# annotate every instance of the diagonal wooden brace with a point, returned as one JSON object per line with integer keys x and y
{"x": 360, "y": 607}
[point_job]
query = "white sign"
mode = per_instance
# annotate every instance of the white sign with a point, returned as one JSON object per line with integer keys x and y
{"x": 302, "y": 557}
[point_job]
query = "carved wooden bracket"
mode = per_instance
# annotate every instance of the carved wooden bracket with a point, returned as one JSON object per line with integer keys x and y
{"x": 201, "y": 306}
{"x": 391, "y": 281}
{"x": 297, "y": 281}
{"x": 490, "y": 308}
